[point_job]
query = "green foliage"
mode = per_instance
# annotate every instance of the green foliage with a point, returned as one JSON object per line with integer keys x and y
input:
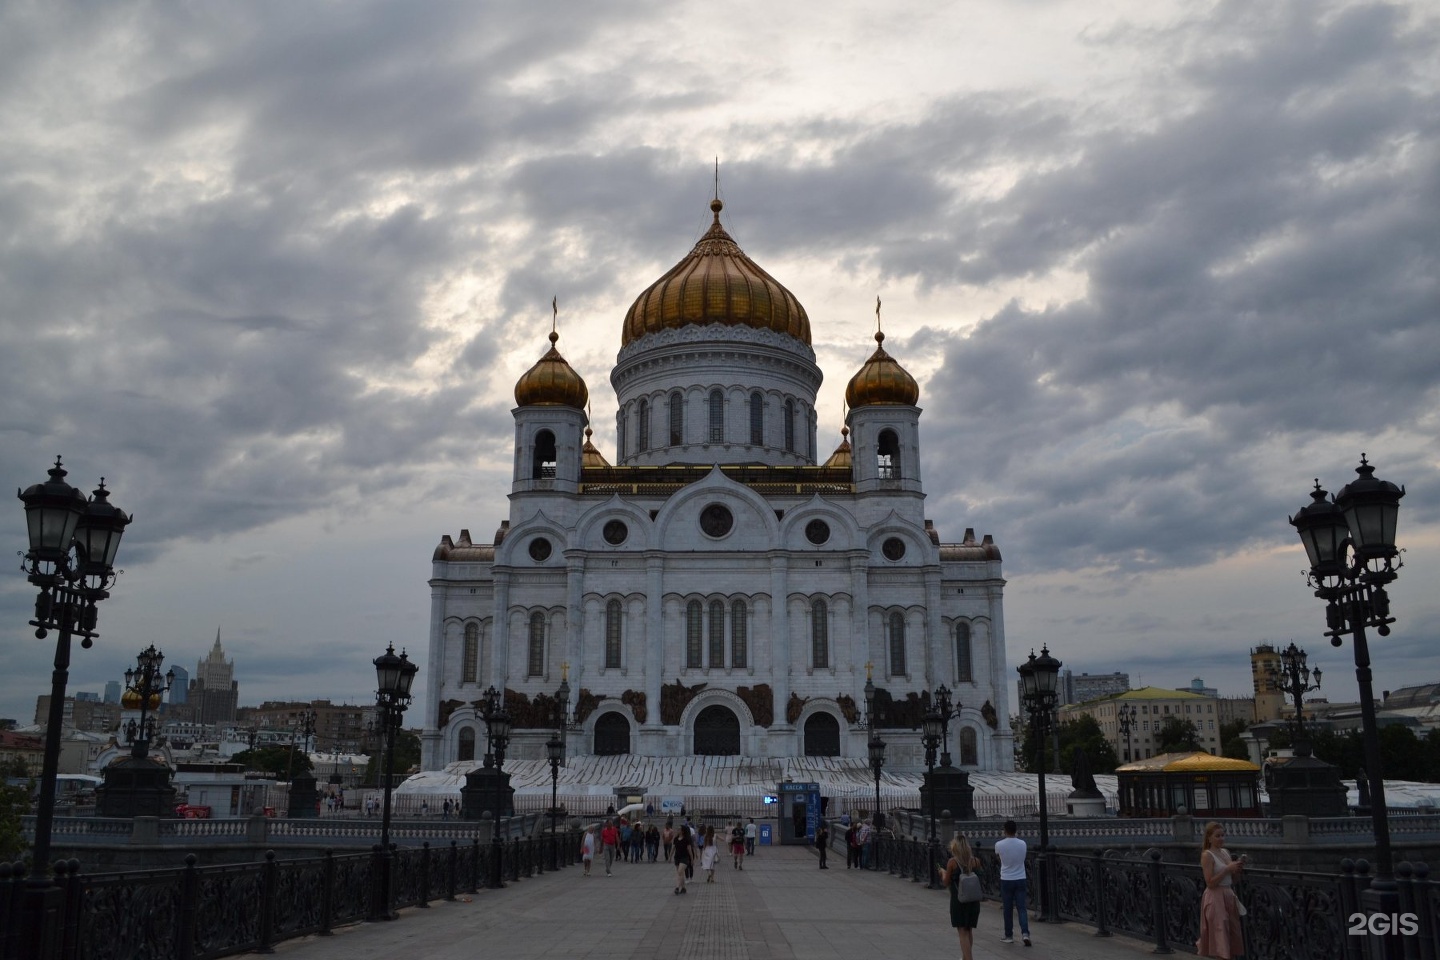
{"x": 14, "y": 803}
{"x": 407, "y": 758}
{"x": 1081, "y": 732}
{"x": 1230, "y": 743}
{"x": 1177, "y": 735}
{"x": 276, "y": 760}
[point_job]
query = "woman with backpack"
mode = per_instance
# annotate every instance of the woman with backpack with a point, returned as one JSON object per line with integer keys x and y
{"x": 960, "y": 879}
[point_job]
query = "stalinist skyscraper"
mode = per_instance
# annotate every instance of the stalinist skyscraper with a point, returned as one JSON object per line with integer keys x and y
{"x": 214, "y": 691}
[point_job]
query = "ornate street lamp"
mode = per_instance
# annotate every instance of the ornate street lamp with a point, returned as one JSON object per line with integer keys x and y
{"x": 932, "y": 725}
{"x": 1126, "y": 716}
{"x": 877, "y": 763}
{"x": 1350, "y": 542}
{"x": 1293, "y": 677}
{"x": 148, "y": 686}
{"x": 555, "y": 751}
{"x": 71, "y": 558}
{"x": 393, "y": 679}
{"x": 303, "y": 799}
{"x": 497, "y": 728}
{"x": 946, "y": 712}
{"x": 1038, "y": 676}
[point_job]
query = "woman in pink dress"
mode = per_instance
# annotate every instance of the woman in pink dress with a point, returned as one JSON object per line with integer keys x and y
{"x": 1220, "y": 934}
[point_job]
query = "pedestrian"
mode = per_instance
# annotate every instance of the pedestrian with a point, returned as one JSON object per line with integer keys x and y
{"x": 610, "y": 844}
{"x": 1011, "y": 851}
{"x": 445, "y": 810}
{"x": 1220, "y": 909}
{"x": 587, "y": 849}
{"x": 964, "y": 916}
{"x": 737, "y": 845}
{"x": 709, "y": 855}
{"x": 652, "y": 842}
{"x": 424, "y": 808}
{"x": 822, "y": 842}
{"x": 637, "y": 843}
{"x": 624, "y": 839}
{"x": 862, "y": 840}
{"x": 684, "y": 857}
{"x": 667, "y": 839}
{"x": 852, "y": 845}
{"x": 751, "y": 833}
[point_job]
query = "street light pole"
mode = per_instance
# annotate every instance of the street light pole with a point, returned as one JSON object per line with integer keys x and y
{"x": 497, "y": 727}
{"x": 1293, "y": 677}
{"x": 1350, "y": 543}
{"x": 1038, "y": 676}
{"x": 1126, "y": 715}
{"x": 146, "y": 682}
{"x": 931, "y": 739}
{"x": 394, "y": 677}
{"x": 71, "y": 558}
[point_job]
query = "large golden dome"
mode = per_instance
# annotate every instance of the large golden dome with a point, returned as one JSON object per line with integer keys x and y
{"x": 881, "y": 380}
{"x": 716, "y": 283}
{"x": 551, "y": 381}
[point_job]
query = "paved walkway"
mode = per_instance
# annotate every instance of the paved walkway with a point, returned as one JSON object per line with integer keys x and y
{"x": 780, "y": 907}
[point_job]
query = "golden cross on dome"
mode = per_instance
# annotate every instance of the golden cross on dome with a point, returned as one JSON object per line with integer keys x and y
{"x": 554, "y": 312}
{"x": 565, "y": 670}
{"x": 869, "y": 668}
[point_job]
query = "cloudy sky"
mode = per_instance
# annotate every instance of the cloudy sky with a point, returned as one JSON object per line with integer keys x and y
{"x": 272, "y": 269}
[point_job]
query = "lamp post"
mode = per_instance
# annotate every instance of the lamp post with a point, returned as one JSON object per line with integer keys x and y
{"x": 1126, "y": 715}
{"x": 148, "y": 685}
{"x": 555, "y": 751}
{"x": 302, "y": 726}
{"x": 71, "y": 558}
{"x": 946, "y": 711}
{"x": 1350, "y": 543}
{"x": 497, "y": 728}
{"x": 394, "y": 677}
{"x": 932, "y": 725}
{"x": 1293, "y": 678}
{"x": 1038, "y": 676}
{"x": 877, "y": 763}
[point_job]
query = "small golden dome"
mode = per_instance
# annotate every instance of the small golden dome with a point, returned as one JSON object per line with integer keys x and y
{"x": 130, "y": 700}
{"x": 842, "y": 457}
{"x": 881, "y": 380}
{"x": 590, "y": 456}
{"x": 716, "y": 283}
{"x": 551, "y": 381}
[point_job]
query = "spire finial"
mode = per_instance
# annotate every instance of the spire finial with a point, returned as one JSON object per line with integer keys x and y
{"x": 879, "y": 335}
{"x": 554, "y": 317}
{"x": 716, "y": 205}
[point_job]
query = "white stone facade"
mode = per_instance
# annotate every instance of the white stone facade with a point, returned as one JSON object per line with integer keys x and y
{"x": 720, "y": 551}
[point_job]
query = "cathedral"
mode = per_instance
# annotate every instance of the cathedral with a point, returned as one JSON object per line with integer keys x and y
{"x": 722, "y": 588}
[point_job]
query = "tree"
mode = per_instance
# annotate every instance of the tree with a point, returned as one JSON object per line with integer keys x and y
{"x": 1230, "y": 743}
{"x": 407, "y": 757}
{"x": 275, "y": 760}
{"x": 14, "y": 803}
{"x": 1176, "y": 735}
{"x": 1083, "y": 731}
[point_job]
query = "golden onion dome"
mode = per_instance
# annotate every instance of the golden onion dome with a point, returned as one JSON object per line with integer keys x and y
{"x": 881, "y": 380}
{"x": 716, "y": 283}
{"x": 842, "y": 458}
{"x": 131, "y": 699}
{"x": 590, "y": 455}
{"x": 551, "y": 381}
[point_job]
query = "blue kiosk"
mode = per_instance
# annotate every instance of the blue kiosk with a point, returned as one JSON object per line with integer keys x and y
{"x": 800, "y": 812}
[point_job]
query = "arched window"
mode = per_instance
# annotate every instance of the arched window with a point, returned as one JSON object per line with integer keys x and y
{"x": 964, "y": 671}
{"x": 537, "y": 644}
{"x": 717, "y": 634}
{"x": 717, "y": 416}
{"x": 789, "y": 426}
{"x": 612, "y": 635}
{"x": 620, "y": 434}
{"x": 542, "y": 467}
{"x": 612, "y": 735}
{"x": 739, "y": 635}
{"x": 470, "y": 655}
{"x": 887, "y": 456}
{"x": 693, "y": 617}
{"x": 466, "y": 747}
{"x": 819, "y": 635}
{"x": 757, "y": 419}
{"x": 642, "y": 411}
{"x": 897, "y": 644}
{"x": 969, "y": 748}
{"x": 677, "y": 418}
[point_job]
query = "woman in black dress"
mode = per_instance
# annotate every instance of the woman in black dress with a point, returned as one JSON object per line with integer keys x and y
{"x": 684, "y": 856}
{"x": 964, "y": 917}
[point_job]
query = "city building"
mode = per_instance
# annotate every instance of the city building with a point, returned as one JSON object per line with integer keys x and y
{"x": 87, "y": 696}
{"x": 1153, "y": 705}
{"x": 91, "y": 716}
{"x": 180, "y": 689}
{"x": 21, "y": 754}
{"x": 338, "y": 726}
{"x": 1264, "y": 668}
{"x": 725, "y": 587}
{"x": 1078, "y": 688}
{"x": 214, "y": 692}
{"x": 112, "y": 691}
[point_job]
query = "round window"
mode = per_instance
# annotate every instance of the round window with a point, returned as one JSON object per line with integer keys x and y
{"x": 817, "y": 532}
{"x": 615, "y": 532}
{"x": 893, "y": 548}
{"x": 540, "y": 549}
{"x": 716, "y": 520}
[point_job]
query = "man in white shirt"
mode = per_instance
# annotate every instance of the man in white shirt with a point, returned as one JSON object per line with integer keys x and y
{"x": 751, "y": 832}
{"x": 1011, "y": 851}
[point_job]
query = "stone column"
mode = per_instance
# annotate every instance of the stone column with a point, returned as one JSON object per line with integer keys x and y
{"x": 654, "y": 637}
{"x": 500, "y": 639}
{"x": 780, "y": 658}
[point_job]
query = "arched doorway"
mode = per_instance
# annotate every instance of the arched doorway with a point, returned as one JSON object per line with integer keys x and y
{"x": 822, "y": 736}
{"x": 467, "y": 744}
{"x": 612, "y": 735}
{"x": 717, "y": 732}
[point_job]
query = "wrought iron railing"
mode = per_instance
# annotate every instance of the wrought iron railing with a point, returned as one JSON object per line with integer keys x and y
{"x": 195, "y": 912}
